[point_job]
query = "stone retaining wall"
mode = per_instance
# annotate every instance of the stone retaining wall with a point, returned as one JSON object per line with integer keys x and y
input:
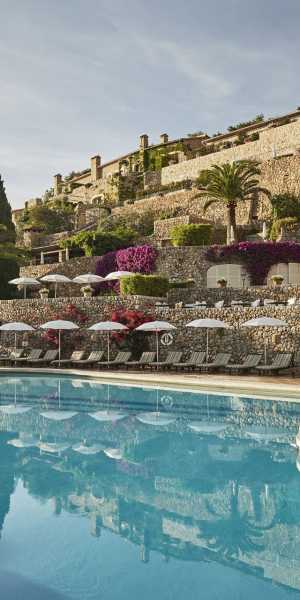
{"x": 239, "y": 341}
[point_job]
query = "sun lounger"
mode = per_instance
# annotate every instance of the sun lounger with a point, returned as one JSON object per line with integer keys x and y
{"x": 219, "y": 304}
{"x": 255, "y": 303}
{"x": 279, "y": 363}
{"x": 74, "y": 358}
{"x": 48, "y": 357}
{"x": 221, "y": 360}
{"x": 33, "y": 354}
{"x": 120, "y": 360}
{"x": 146, "y": 359}
{"x": 251, "y": 361}
{"x": 196, "y": 359}
{"x": 93, "y": 358}
{"x": 14, "y": 355}
{"x": 171, "y": 359}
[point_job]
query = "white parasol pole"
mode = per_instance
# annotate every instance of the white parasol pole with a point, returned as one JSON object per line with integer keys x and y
{"x": 108, "y": 346}
{"x": 157, "y": 348}
{"x": 207, "y": 344}
{"x": 265, "y": 352}
{"x": 59, "y": 347}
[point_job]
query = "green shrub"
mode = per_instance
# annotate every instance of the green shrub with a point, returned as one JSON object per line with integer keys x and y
{"x": 96, "y": 243}
{"x": 179, "y": 284}
{"x": 191, "y": 235}
{"x": 285, "y": 205}
{"x": 144, "y": 285}
{"x": 278, "y": 224}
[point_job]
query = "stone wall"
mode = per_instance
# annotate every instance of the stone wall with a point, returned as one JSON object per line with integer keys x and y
{"x": 237, "y": 340}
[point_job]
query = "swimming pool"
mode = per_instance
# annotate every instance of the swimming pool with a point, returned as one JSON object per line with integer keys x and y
{"x": 110, "y": 492}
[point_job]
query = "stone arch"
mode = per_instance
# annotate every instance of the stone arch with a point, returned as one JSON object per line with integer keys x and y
{"x": 235, "y": 275}
{"x": 289, "y": 271}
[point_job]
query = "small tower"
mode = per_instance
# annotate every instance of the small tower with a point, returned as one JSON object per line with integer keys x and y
{"x": 163, "y": 138}
{"x": 144, "y": 141}
{"x": 57, "y": 184}
{"x": 95, "y": 167}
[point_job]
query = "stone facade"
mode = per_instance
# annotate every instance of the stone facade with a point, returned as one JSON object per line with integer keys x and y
{"x": 237, "y": 340}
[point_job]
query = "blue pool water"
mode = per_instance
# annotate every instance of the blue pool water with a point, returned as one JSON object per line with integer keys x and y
{"x": 114, "y": 492}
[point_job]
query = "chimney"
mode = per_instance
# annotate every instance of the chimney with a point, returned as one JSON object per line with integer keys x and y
{"x": 95, "y": 167}
{"x": 57, "y": 181}
{"x": 144, "y": 141}
{"x": 163, "y": 138}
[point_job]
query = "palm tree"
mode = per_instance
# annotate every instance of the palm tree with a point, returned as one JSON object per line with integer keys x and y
{"x": 231, "y": 183}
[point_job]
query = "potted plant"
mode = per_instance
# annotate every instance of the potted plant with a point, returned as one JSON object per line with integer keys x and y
{"x": 44, "y": 293}
{"x": 222, "y": 283}
{"x": 277, "y": 280}
{"x": 87, "y": 291}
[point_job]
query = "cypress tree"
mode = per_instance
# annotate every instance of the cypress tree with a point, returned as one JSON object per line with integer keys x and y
{"x": 5, "y": 210}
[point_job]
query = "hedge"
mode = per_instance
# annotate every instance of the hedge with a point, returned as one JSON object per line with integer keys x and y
{"x": 181, "y": 284}
{"x": 144, "y": 285}
{"x": 191, "y": 235}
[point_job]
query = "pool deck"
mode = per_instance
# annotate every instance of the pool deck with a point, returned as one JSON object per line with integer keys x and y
{"x": 276, "y": 387}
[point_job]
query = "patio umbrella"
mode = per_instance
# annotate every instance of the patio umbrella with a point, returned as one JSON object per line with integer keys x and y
{"x": 265, "y": 322}
{"x": 59, "y": 326}
{"x": 24, "y": 282}
{"x": 108, "y": 326}
{"x": 55, "y": 278}
{"x": 208, "y": 324}
{"x": 88, "y": 278}
{"x": 16, "y": 326}
{"x": 117, "y": 275}
{"x": 156, "y": 327}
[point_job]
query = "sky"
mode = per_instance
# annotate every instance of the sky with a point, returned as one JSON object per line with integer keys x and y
{"x": 86, "y": 77}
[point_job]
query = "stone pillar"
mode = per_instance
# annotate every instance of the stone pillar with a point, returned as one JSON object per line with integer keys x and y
{"x": 163, "y": 138}
{"x": 144, "y": 141}
{"x": 57, "y": 184}
{"x": 95, "y": 167}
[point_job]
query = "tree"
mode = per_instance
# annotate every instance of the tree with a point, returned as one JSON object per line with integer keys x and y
{"x": 5, "y": 213}
{"x": 49, "y": 220}
{"x": 231, "y": 183}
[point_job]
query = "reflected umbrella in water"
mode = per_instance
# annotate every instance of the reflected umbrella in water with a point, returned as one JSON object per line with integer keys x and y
{"x": 58, "y": 415}
{"x": 114, "y": 453}
{"x": 156, "y": 418}
{"x": 83, "y": 448}
{"x": 207, "y": 427}
{"x": 26, "y": 440}
{"x": 267, "y": 434}
{"x": 107, "y": 414}
{"x": 14, "y": 409}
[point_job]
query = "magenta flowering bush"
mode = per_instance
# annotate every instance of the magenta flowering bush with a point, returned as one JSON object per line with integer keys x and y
{"x": 258, "y": 257}
{"x": 138, "y": 259}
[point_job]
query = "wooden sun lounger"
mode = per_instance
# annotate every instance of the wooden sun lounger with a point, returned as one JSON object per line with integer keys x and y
{"x": 196, "y": 359}
{"x": 14, "y": 355}
{"x": 222, "y": 359}
{"x": 146, "y": 359}
{"x": 74, "y": 358}
{"x": 251, "y": 361}
{"x": 120, "y": 360}
{"x": 280, "y": 362}
{"x": 171, "y": 359}
{"x": 92, "y": 359}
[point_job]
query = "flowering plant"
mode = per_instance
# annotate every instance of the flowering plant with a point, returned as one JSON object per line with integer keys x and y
{"x": 258, "y": 257}
{"x": 132, "y": 319}
{"x": 137, "y": 259}
{"x": 71, "y": 313}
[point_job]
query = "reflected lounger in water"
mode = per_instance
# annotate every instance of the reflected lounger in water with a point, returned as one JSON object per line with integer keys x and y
{"x": 156, "y": 418}
{"x": 207, "y": 427}
{"x": 53, "y": 447}
{"x": 107, "y": 415}
{"x": 12, "y": 409}
{"x": 26, "y": 441}
{"x": 114, "y": 453}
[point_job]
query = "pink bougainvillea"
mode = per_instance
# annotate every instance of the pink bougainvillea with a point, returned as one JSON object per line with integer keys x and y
{"x": 258, "y": 257}
{"x": 137, "y": 259}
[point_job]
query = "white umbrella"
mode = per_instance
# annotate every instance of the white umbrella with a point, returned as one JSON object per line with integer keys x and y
{"x": 59, "y": 326}
{"x": 83, "y": 448}
{"x": 24, "y": 282}
{"x": 265, "y": 322}
{"x": 16, "y": 326}
{"x": 88, "y": 278}
{"x": 55, "y": 278}
{"x": 118, "y": 274}
{"x": 157, "y": 327}
{"x": 208, "y": 324}
{"x": 108, "y": 326}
